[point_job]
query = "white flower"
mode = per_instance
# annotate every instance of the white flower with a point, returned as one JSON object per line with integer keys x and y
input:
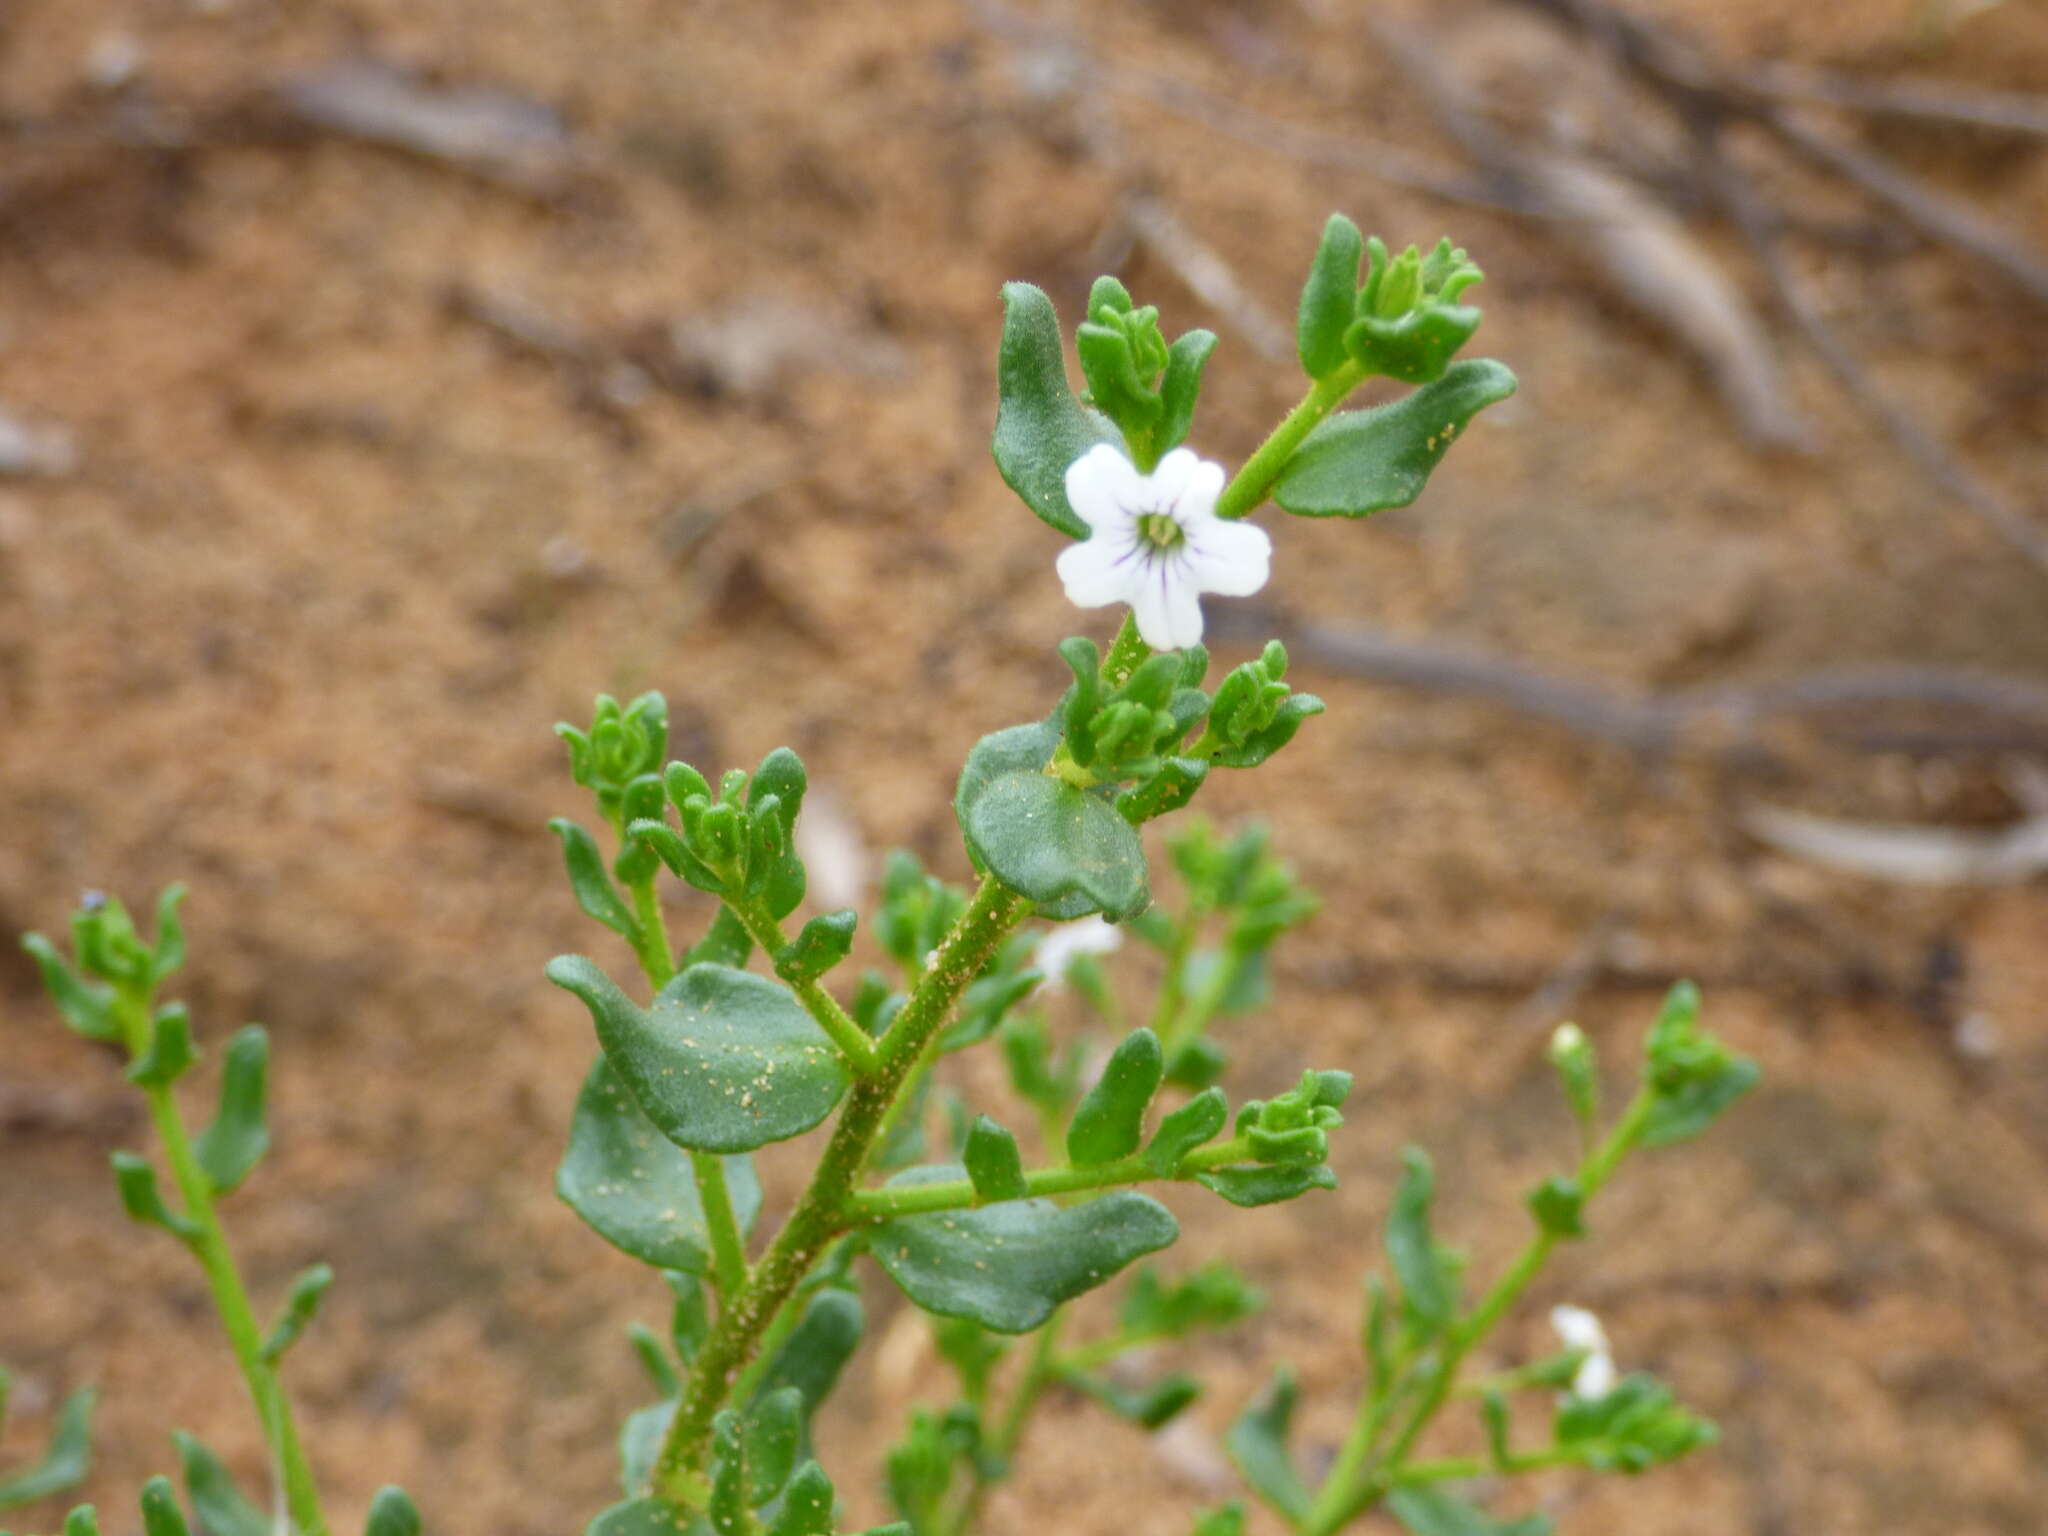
{"x": 1580, "y": 1329}
{"x": 1069, "y": 942}
{"x": 1156, "y": 543}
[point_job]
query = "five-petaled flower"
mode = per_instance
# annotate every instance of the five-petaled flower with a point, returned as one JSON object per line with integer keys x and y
{"x": 1156, "y": 543}
{"x": 1580, "y": 1329}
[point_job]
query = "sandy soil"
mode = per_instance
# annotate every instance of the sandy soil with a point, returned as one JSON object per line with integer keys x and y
{"x": 334, "y": 554}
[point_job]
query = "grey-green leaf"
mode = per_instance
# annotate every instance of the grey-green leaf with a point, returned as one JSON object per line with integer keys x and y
{"x": 590, "y": 881}
{"x": 1068, "y": 850}
{"x": 1360, "y": 462}
{"x": 724, "y": 1061}
{"x": 1181, "y": 386}
{"x": 136, "y": 1181}
{"x": 993, "y": 1162}
{"x": 823, "y": 943}
{"x": 1428, "y": 1511}
{"x": 637, "y": 1189}
{"x": 160, "y": 1513}
{"x": 392, "y": 1513}
{"x": 1412, "y": 1247}
{"x": 301, "y": 1303}
{"x": 1253, "y": 1186}
{"x": 65, "y": 1463}
{"x": 1109, "y": 1122}
{"x": 807, "y": 1509}
{"x": 1257, "y": 1442}
{"x": 1009, "y": 1266}
{"x": 1329, "y": 298}
{"x": 817, "y": 1350}
{"x": 772, "y": 1434}
{"x": 87, "y": 1006}
{"x": 1185, "y": 1129}
{"x": 1041, "y": 427}
{"x": 230, "y": 1148}
{"x": 171, "y": 1052}
{"x": 640, "y": 1517}
{"x": 217, "y": 1502}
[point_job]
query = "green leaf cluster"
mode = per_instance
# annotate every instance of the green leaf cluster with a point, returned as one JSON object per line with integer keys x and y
{"x": 623, "y": 746}
{"x": 1008, "y": 1266}
{"x": 737, "y": 843}
{"x": 1691, "y": 1075}
{"x": 1636, "y": 1426}
{"x": 110, "y": 957}
{"x": 1147, "y": 388}
{"x": 1402, "y": 321}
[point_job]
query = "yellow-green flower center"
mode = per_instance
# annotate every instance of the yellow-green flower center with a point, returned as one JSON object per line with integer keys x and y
{"x": 1160, "y": 531}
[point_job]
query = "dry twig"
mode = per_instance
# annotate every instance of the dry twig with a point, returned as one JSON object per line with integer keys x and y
{"x": 1729, "y": 721}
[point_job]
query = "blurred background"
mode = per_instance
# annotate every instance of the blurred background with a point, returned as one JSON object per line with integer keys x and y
{"x": 379, "y": 381}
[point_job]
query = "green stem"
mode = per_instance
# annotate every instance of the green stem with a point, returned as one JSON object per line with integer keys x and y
{"x": 1090, "y": 1357}
{"x": 209, "y": 1244}
{"x": 958, "y": 1194}
{"x": 1040, "y": 1372}
{"x": 821, "y": 1213}
{"x": 821, "y": 1005}
{"x": 650, "y": 936}
{"x": 1462, "y": 1468}
{"x": 1349, "y": 1490}
{"x": 1254, "y": 481}
{"x": 721, "y": 1224}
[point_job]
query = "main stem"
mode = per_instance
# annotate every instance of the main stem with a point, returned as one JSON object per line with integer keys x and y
{"x": 823, "y": 1211}
{"x": 1255, "y": 480}
{"x": 1350, "y": 1489}
{"x": 209, "y": 1244}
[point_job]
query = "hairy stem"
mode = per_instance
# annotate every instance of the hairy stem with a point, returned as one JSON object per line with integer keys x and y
{"x": 958, "y": 1194}
{"x": 1252, "y": 483}
{"x": 821, "y": 1213}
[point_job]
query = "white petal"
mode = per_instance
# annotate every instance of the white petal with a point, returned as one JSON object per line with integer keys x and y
{"x": 1595, "y": 1378}
{"x": 1198, "y": 496}
{"x": 1066, "y": 944}
{"x": 1579, "y": 1329}
{"x": 1167, "y": 607}
{"x": 1232, "y": 559}
{"x": 1100, "y": 570}
{"x": 1169, "y": 479}
{"x": 1103, "y": 487}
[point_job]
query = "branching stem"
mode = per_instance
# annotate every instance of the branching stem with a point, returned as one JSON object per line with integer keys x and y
{"x": 1248, "y": 490}
{"x": 209, "y": 1244}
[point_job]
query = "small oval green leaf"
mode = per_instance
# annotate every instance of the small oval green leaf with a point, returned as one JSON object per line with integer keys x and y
{"x": 1065, "y": 848}
{"x": 1110, "y": 1119}
{"x": 1041, "y": 428}
{"x": 1360, "y": 462}
{"x": 993, "y": 1162}
{"x": 230, "y": 1148}
{"x": 724, "y": 1061}
{"x": 1009, "y": 1266}
{"x": 634, "y": 1187}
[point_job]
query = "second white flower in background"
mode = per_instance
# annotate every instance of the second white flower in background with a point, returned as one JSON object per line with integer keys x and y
{"x": 1156, "y": 543}
{"x": 1069, "y": 942}
{"x": 1580, "y": 1329}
